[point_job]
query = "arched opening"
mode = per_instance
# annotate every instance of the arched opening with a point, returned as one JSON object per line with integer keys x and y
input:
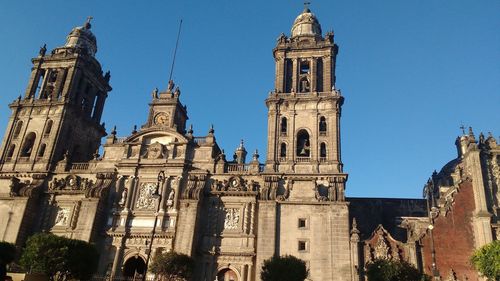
{"x": 41, "y": 151}
{"x": 10, "y": 152}
{"x": 29, "y": 141}
{"x": 303, "y": 145}
{"x": 319, "y": 75}
{"x": 134, "y": 267}
{"x": 283, "y": 126}
{"x": 48, "y": 127}
{"x": 322, "y": 125}
{"x": 283, "y": 150}
{"x": 304, "y": 85}
{"x": 19, "y": 126}
{"x": 227, "y": 275}
{"x": 322, "y": 150}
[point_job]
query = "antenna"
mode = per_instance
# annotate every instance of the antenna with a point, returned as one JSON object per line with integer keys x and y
{"x": 175, "y": 51}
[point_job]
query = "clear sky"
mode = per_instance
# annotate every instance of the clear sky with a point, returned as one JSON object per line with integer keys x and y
{"x": 411, "y": 71}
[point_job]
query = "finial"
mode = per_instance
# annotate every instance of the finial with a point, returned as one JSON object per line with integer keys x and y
{"x": 190, "y": 131}
{"x": 211, "y": 130}
{"x": 134, "y": 130}
{"x": 87, "y": 24}
{"x": 107, "y": 76}
{"x": 113, "y": 132}
{"x": 256, "y": 155}
{"x": 241, "y": 146}
{"x": 462, "y": 127}
{"x": 306, "y": 7}
{"x": 43, "y": 50}
{"x": 471, "y": 133}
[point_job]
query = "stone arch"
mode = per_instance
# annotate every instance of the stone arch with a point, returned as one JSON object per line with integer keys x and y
{"x": 225, "y": 271}
{"x": 19, "y": 126}
{"x": 283, "y": 125}
{"x": 11, "y": 150}
{"x": 41, "y": 150}
{"x": 283, "y": 148}
{"x": 134, "y": 265}
{"x": 48, "y": 127}
{"x": 322, "y": 124}
{"x": 323, "y": 150}
{"x": 29, "y": 142}
{"x": 303, "y": 143}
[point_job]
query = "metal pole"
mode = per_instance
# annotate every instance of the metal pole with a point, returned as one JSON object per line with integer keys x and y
{"x": 161, "y": 179}
{"x": 175, "y": 51}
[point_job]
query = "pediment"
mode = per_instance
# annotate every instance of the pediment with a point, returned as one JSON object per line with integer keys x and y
{"x": 157, "y": 135}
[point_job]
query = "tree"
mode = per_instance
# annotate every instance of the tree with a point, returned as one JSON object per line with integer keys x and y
{"x": 7, "y": 255}
{"x": 389, "y": 270}
{"x": 172, "y": 266}
{"x": 284, "y": 268}
{"x": 59, "y": 257}
{"x": 487, "y": 260}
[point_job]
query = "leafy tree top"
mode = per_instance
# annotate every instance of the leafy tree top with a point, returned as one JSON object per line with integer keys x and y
{"x": 487, "y": 260}
{"x": 173, "y": 266}
{"x": 389, "y": 270}
{"x": 59, "y": 257}
{"x": 284, "y": 268}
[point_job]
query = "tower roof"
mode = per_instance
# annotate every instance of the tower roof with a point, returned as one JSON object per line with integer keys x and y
{"x": 306, "y": 24}
{"x": 81, "y": 37}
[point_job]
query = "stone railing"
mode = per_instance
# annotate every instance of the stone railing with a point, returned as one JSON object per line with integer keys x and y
{"x": 303, "y": 159}
{"x": 199, "y": 140}
{"x": 80, "y": 166}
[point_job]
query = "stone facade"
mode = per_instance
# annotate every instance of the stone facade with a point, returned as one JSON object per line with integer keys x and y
{"x": 163, "y": 189}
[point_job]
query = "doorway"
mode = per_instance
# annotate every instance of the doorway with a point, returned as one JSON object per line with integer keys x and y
{"x": 134, "y": 268}
{"x": 227, "y": 275}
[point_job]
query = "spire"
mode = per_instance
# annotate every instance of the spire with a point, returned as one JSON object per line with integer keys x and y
{"x": 87, "y": 24}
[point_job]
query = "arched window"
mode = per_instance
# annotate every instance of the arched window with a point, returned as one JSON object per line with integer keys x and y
{"x": 284, "y": 126}
{"x": 29, "y": 141}
{"x": 283, "y": 150}
{"x": 48, "y": 127}
{"x": 41, "y": 151}
{"x": 10, "y": 152}
{"x": 303, "y": 145}
{"x": 322, "y": 125}
{"x": 322, "y": 150}
{"x": 19, "y": 126}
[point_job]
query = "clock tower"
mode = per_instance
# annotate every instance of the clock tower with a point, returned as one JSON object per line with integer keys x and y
{"x": 166, "y": 110}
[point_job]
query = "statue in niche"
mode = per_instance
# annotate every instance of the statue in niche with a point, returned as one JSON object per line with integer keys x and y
{"x": 123, "y": 198}
{"x": 304, "y": 85}
{"x": 170, "y": 200}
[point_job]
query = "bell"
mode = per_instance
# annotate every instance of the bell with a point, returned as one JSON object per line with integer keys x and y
{"x": 303, "y": 152}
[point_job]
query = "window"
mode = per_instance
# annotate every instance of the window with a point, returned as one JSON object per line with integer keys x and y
{"x": 283, "y": 150}
{"x": 39, "y": 83}
{"x": 322, "y": 150}
{"x": 302, "y": 247}
{"x": 302, "y": 223}
{"x": 303, "y": 146}
{"x": 304, "y": 67}
{"x": 304, "y": 85}
{"x": 322, "y": 125}
{"x": 11, "y": 151}
{"x": 48, "y": 127}
{"x": 29, "y": 141}
{"x": 283, "y": 126}
{"x": 41, "y": 151}
{"x": 52, "y": 76}
{"x": 19, "y": 126}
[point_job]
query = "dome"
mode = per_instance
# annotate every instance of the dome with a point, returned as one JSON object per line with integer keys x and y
{"x": 306, "y": 24}
{"x": 81, "y": 37}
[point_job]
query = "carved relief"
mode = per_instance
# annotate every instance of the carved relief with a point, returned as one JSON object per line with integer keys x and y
{"x": 232, "y": 218}
{"x": 62, "y": 216}
{"x": 146, "y": 201}
{"x": 70, "y": 182}
{"x": 155, "y": 151}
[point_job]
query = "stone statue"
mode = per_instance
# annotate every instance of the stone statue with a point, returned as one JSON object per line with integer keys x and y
{"x": 43, "y": 50}
{"x": 154, "y": 94}
{"x": 123, "y": 198}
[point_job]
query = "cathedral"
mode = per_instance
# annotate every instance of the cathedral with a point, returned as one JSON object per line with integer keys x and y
{"x": 161, "y": 188}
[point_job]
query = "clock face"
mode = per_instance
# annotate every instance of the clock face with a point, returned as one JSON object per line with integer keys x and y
{"x": 161, "y": 119}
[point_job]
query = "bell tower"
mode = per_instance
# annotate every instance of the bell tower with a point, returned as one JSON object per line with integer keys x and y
{"x": 304, "y": 109}
{"x": 59, "y": 115}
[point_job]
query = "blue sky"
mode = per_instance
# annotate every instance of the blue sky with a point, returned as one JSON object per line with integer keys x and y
{"x": 411, "y": 71}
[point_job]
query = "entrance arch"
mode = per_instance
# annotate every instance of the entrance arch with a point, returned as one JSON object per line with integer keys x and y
{"x": 134, "y": 267}
{"x": 227, "y": 274}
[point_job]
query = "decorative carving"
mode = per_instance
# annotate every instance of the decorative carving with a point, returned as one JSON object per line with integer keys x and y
{"x": 317, "y": 193}
{"x": 71, "y": 182}
{"x": 14, "y": 187}
{"x": 232, "y": 218}
{"x": 286, "y": 193}
{"x": 62, "y": 216}
{"x": 146, "y": 201}
{"x": 155, "y": 151}
{"x": 382, "y": 250}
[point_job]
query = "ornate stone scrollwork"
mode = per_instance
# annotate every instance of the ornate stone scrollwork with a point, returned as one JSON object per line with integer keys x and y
{"x": 155, "y": 151}
{"x": 146, "y": 201}
{"x": 287, "y": 186}
{"x": 71, "y": 182}
{"x": 232, "y": 218}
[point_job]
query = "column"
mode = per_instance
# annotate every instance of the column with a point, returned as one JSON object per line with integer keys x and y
{"x": 130, "y": 187}
{"x": 294, "y": 75}
{"x": 313, "y": 74}
{"x": 116, "y": 260}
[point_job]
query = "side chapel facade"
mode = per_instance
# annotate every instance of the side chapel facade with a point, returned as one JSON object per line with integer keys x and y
{"x": 230, "y": 215}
